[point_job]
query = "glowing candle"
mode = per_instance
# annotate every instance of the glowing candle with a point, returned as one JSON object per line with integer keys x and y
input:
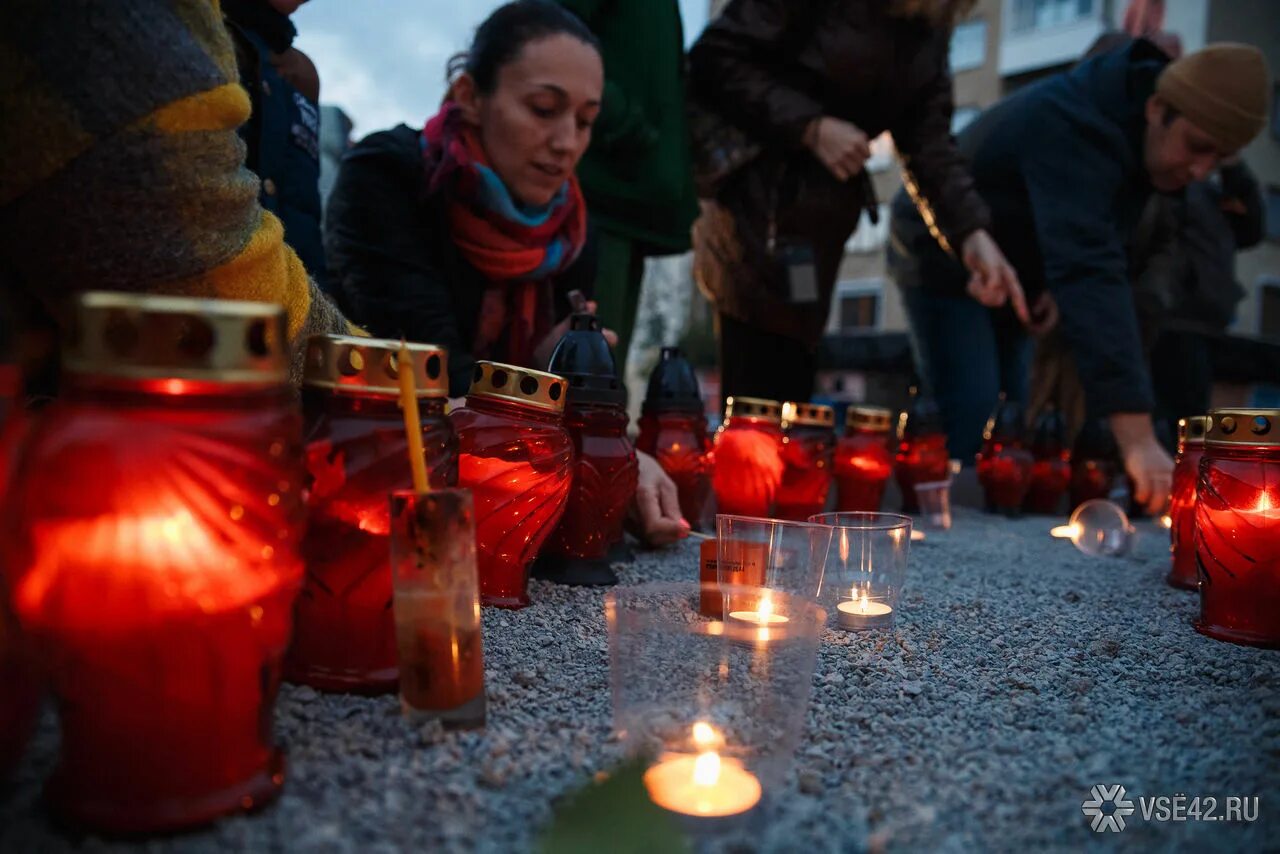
{"x": 703, "y": 784}
{"x": 1064, "y": 532}
{"x": 762, "y": 616}
{"x": 860, "y": 614}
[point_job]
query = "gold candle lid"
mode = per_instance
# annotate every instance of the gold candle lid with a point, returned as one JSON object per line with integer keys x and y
{"x": 527, "y": 387}
{"x": 752, "y": 407}
{"x": 346, "y": 363}
{"x": 149, "y": 337}
{"x": 1192, "y": 429}
{"x": 1252, "y": 427}
{"x": 875, "y": 418}
{"x": 808, "y": 414}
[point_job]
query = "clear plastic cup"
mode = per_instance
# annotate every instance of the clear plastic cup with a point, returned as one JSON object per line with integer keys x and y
{"x": 934, "y": 499}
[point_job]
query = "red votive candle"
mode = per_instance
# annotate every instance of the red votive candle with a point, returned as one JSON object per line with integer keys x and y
{"x": 1095, "y": 463}
{"x": 155, "y": 563}
{"x": 517, "y": 460}
{"x": 604, "y": 468}
{"x": 863, "y": 463}
{"x": 20, "y": 691}
{"x": 922, "y": 448}
{"x": 1182, "y": 503}
{"x": 1051, "y": 464}
{"x": 673, "y": 430}
{"x": 749, "y": 465}
{"x": 808, "y": 447}
{"x": 1004, "y": 465}
{"x": 1238, "y": 527}
{"x": 356, "y": 451}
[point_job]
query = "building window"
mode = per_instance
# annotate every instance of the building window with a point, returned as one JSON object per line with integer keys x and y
{"x": 969, "y": 46}
{"x": 962, "y": 116}
{"x": 1030, "y": 15}
{"x": 858, "y": 306}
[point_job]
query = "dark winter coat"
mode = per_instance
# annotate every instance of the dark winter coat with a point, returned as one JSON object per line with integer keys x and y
{"x": 392, "y": 256}
{"x": 282, "y": 135}
{"x": 770, "y": 67}
{"x": 1060, "y": 163}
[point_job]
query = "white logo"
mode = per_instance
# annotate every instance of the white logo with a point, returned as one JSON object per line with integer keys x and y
{"x": 1107, "y": 819}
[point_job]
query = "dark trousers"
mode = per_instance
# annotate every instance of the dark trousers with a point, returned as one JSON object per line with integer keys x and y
{"x": 1181, "y": 374}
{"x": 966, "y": 354}
{"x": 755, "y": 363}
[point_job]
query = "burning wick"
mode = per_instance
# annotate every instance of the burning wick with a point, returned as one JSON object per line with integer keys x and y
{"x": 1065, "y": 532}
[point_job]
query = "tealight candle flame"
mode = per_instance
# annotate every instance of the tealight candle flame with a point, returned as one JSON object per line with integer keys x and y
{"x": 1264, "y": 503}
{"x": 705, "y": 735}
{"x": 706, "y": 768}
{"x": 765, "y": 608}
{"x": 1166, "y": 520}
{"x": 1065, "y": 532}
{"x": 864, "y": 603}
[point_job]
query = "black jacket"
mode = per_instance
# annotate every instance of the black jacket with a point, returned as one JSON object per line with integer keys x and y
{"x": 391, "y": 254}
{"x": 1060, "y": 164}
{"x": 770, "y": 67}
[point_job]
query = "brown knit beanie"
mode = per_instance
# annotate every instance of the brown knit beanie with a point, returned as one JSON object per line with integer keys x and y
{"x": 1222, "y": 89}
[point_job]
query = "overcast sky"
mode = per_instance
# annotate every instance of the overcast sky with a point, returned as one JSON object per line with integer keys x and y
{"x": 383, "y": 61}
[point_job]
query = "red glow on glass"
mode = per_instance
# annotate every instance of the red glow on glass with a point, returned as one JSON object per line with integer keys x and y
{"x": 356, "y": 450}
{"x": 748, "y": 467}
{"x": 922, "y": 459}
{"x": 679, "y": 442}
{"x": 604, "y": 483}
{"x": 518, "y": 463}
{"x": 807, "y": 454}
{"x": 1237, "y": 534}
{"x": 1182, "y": 519}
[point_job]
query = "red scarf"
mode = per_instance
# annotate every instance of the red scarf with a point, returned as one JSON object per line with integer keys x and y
{"x": 517, "y": 248}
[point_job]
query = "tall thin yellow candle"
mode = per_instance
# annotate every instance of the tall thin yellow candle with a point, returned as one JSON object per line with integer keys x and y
{"x": 412, "y": 424}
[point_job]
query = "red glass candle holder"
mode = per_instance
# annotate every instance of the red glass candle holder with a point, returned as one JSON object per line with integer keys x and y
{"x": 1051, "y": 465}
{"x": 1095, "y": 464}
{"x": 863, "y": 463}
{"x": 1182, "y": 503}
{"x": 517, "y": 460}
{"x": 157, "y": 519}
{"x": 20, "y": 686}
{"x": 922, "y": 449}
{"x": 605, "y": 467}
{"x": 1004, "y": 465}
{"x": 673, "y": 430}
{"x": 356, "y": 451}
{"x": 808, "y": 448}
{"x": 748, "y": 459}
{"x": 1238, "y": 527}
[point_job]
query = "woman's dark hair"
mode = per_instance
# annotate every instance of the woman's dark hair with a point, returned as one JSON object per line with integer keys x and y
{"x": 501, "y": 37}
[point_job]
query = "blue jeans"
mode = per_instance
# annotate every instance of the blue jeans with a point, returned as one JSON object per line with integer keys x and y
{"x": 966, "y": 355}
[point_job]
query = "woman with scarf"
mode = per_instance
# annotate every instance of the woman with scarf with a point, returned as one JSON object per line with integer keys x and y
{"x": 472, "y": 232}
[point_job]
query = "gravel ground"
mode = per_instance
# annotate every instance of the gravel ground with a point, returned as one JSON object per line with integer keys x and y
{"x": 1020, "y": 674}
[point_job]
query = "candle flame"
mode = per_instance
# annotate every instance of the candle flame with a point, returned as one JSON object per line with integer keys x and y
{"x": 706, "y": 768}
{"x": 1264, "y": 503}
{"x": 864, "y": 603}
{"x": 1065, "y": 532}
{"x": 705, "y": 735}
{"x": 1166, "y": 520}
{"x": 765, "y": 609}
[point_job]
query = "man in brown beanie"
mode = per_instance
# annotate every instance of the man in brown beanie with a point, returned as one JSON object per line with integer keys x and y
{"x": 1066, "y": 166}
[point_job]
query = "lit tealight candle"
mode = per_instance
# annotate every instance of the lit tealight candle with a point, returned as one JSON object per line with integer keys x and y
{"x": 763, "y": 616}
{"x": 704, "y": 785}
{"x": 1166, "y": 521}
{"x": 1065, "y": 532}
{"x": 860, "y": 614}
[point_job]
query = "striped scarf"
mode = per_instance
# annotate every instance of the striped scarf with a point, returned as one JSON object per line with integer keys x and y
{"x": 516, "y": 247}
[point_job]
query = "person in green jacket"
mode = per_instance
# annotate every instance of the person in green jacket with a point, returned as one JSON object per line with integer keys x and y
{"x": 637, "y": 174}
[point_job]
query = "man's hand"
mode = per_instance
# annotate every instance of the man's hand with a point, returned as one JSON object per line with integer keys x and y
{"x": 1148, "y": 464}
{"x": 838, "y": 145}
{"x": 655, "y": 513}
{"x": 1044, "y": 314}
{"x": 542, "y": 353}
{"x": 992, "y": 279}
